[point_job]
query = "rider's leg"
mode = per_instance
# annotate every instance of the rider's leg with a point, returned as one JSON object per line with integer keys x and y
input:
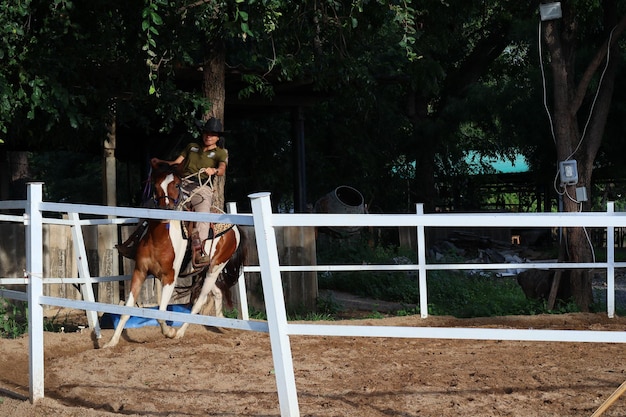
{"x": 202, "y": 201}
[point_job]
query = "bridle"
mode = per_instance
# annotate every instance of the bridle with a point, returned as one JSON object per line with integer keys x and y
{"x": 166, "y": 197}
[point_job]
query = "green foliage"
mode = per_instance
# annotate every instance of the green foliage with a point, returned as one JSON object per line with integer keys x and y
{"x": 326, "y": 304}
{"x": 374, "y": 315}
{"x": 13, "y": 319}
{"x": 393, "y": 286}
{"x": 68, "y": 176}
{"x": 476, "y": 295}
{"x": 231, "y": 314}
{"x": 257, "y": 314}
{"x": 150, "y": 20}
{"x": 309, "y": 316}
{"x": 455, "y": 293}
{"x": 405, "y": 16}
{"x": 14, "y": 47}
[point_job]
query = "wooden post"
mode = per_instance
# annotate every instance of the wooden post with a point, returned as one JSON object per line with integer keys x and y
{"x": 606, "y": 404}
{"x": 109, "y": 174}
{"x": 556, "y": 280}
{"x": 297, "y": 245}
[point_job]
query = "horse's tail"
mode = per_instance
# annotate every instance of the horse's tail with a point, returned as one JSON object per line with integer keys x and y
{"x": 231, "y": 272}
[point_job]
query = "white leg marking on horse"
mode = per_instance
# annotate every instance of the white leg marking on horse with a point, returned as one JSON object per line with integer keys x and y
{"x": 218, "y": 302}
{"x": 166, "y": 295}
{"x": 180, "y": 245}
{"x": 207, "y": 287}
{"x": 120, "y": 325}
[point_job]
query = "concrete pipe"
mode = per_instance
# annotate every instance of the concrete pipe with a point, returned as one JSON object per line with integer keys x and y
{"x": 342, "y": 200}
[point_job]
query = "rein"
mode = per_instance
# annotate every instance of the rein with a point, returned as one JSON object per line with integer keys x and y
{"x": 208, "y": 183}
{"x": 179, "y": 203}
{"x": 164, "y": 197}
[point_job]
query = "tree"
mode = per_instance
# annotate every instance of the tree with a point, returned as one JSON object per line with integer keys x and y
{"x": 267, "y": 43}
{"x": 581, "y": 105}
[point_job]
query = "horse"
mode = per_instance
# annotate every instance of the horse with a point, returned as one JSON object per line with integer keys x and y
{"x": 164, "y": 248}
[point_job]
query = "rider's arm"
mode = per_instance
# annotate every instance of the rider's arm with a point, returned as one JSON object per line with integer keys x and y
{"x": 221, "y": 169}
{"x": 176, "y": 161}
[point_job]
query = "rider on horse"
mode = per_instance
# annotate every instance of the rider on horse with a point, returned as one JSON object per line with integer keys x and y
{"x": 200, "y": 163}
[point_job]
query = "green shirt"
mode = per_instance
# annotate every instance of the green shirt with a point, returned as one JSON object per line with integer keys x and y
{"x": 196, "y": 158}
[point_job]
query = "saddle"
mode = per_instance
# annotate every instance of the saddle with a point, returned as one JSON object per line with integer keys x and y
{"x": 128, "y": 249}
{"x": 199, "y": 259}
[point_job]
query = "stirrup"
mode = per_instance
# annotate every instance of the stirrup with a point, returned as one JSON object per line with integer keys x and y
{"x": 128, "y": 249}
{"x": 200, "y": 259}
{"x": 127, "y": 252}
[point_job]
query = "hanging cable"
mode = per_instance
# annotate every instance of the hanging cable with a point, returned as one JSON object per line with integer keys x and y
{"x": 595, "y": 98}
{"x": 543, "y": 80}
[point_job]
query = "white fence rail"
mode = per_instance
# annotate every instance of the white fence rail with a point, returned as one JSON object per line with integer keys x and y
{"x": 264, "y": 223}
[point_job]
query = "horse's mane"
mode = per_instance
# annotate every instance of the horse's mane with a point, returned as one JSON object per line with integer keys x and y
{"x": 163, "y": 168}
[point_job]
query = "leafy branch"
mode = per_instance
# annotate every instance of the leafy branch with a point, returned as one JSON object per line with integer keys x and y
{"x": 150, "y": 20}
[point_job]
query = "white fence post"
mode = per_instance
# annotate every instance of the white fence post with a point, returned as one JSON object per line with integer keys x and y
{"x": 421, "y": 262}
{"x": 34, "y": 273}
{"x": 274, "y": 304}
{"x": 86, "y": 288}
{"x": 610, "y": 268}
{"x": 241, "y": 282}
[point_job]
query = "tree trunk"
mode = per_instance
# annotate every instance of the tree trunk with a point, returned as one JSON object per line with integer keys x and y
{"x": 214, "y": 88}
{"x": 423, "y": 185}
{"x": 570, "y": 92}
{"x": 14, "y": 175}
{"x": 109, "y": 177}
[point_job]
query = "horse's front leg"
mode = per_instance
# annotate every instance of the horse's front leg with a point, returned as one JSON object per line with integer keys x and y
{"x": 214, "y": 303}
{"x": 208, "y": 285}
{"x": 136, "y": 282}
{"x": 166, "y": 295}
{"x": 120, "y": 325}
{"x": 218, "y": 302}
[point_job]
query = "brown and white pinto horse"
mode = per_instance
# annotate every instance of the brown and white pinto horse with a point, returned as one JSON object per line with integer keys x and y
{"x": 162, "y": 249}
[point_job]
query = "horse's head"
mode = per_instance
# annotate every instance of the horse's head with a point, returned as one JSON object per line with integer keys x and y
{"x": 167, "y": 185}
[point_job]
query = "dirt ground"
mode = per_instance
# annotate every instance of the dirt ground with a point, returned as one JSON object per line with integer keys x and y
{"x": 230, "y": 373}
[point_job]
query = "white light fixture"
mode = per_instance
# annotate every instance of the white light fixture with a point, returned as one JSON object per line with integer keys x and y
{"x": 568, "y": 171}
{"x": 550, "y": 11}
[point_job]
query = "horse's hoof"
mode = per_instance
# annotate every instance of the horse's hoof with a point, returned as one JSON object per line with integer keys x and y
{"x": 170, "y": 333}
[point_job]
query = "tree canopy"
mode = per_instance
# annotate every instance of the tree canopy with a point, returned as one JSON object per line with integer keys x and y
{"x": 403, "y": 90}
{"x": 394, "y": 93}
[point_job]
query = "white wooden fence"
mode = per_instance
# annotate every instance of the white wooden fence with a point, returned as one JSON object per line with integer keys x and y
{"x": 265, "y": 222}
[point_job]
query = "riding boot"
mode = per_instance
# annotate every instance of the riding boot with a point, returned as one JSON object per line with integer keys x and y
{"x": 199, "y": 257}
{"x": 128, "y": 249}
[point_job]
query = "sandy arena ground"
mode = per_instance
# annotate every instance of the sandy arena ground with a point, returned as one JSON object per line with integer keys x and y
{"x": 230, "y": 373}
